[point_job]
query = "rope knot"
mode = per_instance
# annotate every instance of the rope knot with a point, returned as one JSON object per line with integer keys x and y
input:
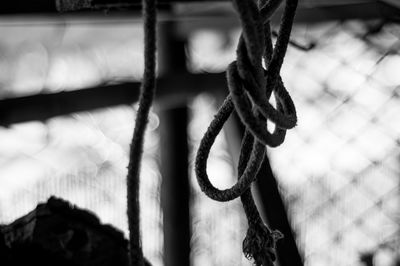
{"x": 251, "y": 85}
{"x": 259, "y": 244}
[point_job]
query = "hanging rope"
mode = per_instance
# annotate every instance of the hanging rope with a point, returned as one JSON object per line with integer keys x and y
{"x": 147, "y": 91}
{"x": 250, "y": 87}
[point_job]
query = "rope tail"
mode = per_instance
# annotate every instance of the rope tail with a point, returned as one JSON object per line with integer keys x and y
{"x": 147, "y": 92}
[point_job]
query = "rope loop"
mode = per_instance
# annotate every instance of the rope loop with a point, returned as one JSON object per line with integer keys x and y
{"x": 251, "y": 86}
{"x": 243, "y": 104}
{"x": 251, "y": 169}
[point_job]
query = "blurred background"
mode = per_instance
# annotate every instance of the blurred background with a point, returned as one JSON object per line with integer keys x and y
{"x": 68, "y": 86}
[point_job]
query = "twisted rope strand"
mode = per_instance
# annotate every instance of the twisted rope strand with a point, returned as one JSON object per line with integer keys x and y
{"x": 281, "y": 45}
{"x": 268, "y": 8}
{"x": 260, "y": 241}
{"x": 268, "y": 49}
{"x": 251, "y": 24}
{"x": 147, "y": 91}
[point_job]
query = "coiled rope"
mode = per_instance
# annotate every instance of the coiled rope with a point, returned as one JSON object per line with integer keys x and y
{"x": 250, "y": 87}
{"x": 147, "y": 91}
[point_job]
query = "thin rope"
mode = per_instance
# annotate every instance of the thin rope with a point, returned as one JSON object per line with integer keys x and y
{"x": 147, "y": 92}
{"x": 250, "y": 87}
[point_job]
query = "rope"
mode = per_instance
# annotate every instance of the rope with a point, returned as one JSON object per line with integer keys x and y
{"x": 147, "y": 91}
{"x": 250, "y": 87}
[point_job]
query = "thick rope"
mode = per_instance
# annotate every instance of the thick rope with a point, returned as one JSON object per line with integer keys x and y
{"x": 147, "y": 91}
{"x": 251, "y": 87}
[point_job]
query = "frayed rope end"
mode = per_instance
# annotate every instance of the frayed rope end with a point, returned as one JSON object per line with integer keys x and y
{"x": 260, "y": 243}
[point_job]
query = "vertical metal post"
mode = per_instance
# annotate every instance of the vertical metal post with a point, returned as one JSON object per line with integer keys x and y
{"x": 274, "y": 208}
{"x": 175, "y": 192}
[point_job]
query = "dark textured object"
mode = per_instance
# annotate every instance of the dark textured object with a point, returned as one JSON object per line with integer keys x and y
{"x": 58, "y": 233}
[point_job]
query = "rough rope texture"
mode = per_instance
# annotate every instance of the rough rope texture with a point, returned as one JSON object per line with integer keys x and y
{"x": 250, "y": 87}
{"x": 147, "y": 91}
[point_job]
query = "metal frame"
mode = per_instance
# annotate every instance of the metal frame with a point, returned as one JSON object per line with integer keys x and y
{"x": 172, "y": 90}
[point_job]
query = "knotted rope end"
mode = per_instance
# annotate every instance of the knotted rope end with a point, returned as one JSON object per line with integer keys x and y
{"x": 260, "y": 243}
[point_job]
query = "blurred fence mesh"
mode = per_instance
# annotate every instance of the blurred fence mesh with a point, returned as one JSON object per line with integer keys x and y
{"x": 339, "y": 169}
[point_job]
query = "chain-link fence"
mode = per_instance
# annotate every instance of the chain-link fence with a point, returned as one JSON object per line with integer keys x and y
{"x": 340, "y": 168}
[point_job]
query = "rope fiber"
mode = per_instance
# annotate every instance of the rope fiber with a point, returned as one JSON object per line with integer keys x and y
{"x": 250, "y": 87}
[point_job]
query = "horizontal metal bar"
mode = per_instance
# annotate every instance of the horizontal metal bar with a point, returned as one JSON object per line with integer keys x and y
{"x": 51, "y": 6}
{"x": 308, "y": 11}
{"x": 362, "y": 10}
{"x": 171, "y": 91}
